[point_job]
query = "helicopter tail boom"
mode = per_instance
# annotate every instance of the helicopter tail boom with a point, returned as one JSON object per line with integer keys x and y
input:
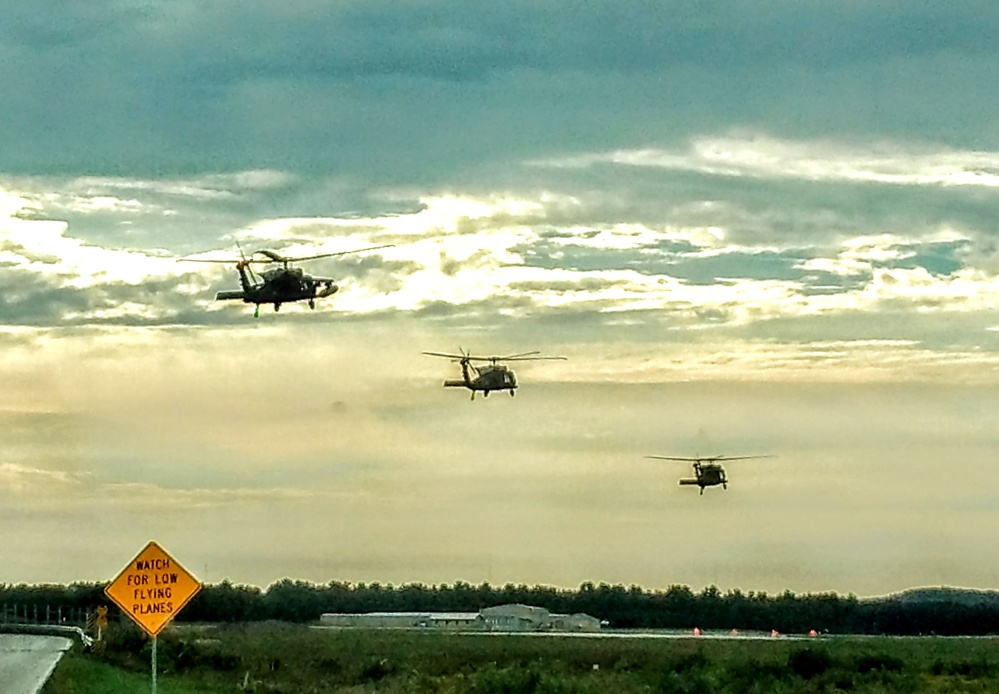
{"x": 686, "y": 481}
{"x": 230, "y": 294}
{"x": 454, "y": 384}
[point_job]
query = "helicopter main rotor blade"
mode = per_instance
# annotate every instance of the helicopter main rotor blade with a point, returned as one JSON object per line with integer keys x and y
{"x": 230, "y": 261}
{"x": 526, "y": 356}
{"x": 467, "y": 357}
{"x": 680, "y": 458}
{"x": 533, "y": 358}
{"x": 707, "y": 458}
{"x": 333, "y": 255}
{"x": 442, "y": 354}
{"x": 205, "y": 260}
{"x": 742, "y": 457}
{"x": 275, "y": 257}
{"x": 269, "y": 257}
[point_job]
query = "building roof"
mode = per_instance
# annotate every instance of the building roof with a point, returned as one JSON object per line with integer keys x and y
{"x": 410, "y": 615}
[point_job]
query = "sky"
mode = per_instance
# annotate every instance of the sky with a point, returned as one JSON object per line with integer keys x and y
{"x": 752, "y": 228}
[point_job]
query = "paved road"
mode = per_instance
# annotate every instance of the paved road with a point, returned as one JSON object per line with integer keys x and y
{"x": 27, "y": 661}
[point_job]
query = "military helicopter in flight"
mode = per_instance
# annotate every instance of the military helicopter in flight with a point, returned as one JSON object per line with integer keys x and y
{"x": 278, "y": 285}
{"x": 491, "y": 376}
{"x": 708, "y": 471}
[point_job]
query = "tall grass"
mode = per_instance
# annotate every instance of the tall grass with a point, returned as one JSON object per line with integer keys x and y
{"x": 280, "y": 658}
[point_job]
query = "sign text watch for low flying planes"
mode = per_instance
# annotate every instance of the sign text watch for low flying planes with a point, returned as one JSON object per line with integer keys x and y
{"x": 152, "y": 589}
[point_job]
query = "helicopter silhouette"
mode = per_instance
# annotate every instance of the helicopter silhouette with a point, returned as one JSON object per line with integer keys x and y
{"x": 489, "y": 377}
{"x": 278, "y": 285}
{"x": 708, "y": 471}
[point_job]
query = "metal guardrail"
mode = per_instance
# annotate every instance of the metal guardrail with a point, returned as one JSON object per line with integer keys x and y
{"x": 48, "y": 630}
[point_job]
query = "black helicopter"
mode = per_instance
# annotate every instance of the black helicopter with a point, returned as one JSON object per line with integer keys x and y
{"x": 281, "y": 284}
{"x": 708, "y": 471}
{"x": 491, "y": 376}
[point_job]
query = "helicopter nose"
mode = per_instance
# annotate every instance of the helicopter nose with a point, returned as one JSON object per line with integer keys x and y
{"x": 328, "y": 289}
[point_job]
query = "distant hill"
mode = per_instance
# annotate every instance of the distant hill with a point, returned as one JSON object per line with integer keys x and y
{"x": 965, "y": 597}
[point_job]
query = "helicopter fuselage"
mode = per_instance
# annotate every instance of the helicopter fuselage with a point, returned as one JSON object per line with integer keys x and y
{"x": 707, "y": 475}
{"x": 485, "y": 379}
{"x": 492, "y": 375}
{"x": 708, "y": 472}
{"x": 279, "y": 286}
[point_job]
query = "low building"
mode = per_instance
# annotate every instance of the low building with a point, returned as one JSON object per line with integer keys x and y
{"x": 513, "y": 617}
{"x": 403, "y": 620}
{"x": 574, "y": 622}
{"x": 516, "y": 617}
{"x": 455, "y": 620}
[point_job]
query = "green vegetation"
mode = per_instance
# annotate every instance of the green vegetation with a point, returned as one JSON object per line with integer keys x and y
{"x": 926, "y": 612}
{"x": 79, "y": 674}
{"x": 273, "y": 658}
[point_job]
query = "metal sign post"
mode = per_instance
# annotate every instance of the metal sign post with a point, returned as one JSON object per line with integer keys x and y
{"x": 155, "y": 639}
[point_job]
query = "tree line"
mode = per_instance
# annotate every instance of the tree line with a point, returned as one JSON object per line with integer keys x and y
{"x": 633, "y": 607}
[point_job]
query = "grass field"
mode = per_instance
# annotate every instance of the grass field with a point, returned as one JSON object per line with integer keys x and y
{"x": 286, "y": 659}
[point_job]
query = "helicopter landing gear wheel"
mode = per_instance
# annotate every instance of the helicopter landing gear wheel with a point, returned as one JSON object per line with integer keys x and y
{"x": 485, "y": 393}
{"x": 312, "y": 304}
{"x": 512, "y": 392}
{"x": 256, "y": 311}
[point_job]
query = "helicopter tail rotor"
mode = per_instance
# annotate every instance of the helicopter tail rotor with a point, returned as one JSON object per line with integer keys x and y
{"x": 246, "y": 263}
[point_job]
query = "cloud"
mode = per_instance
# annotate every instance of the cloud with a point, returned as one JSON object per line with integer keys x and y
{"x": 762, "y": 156}
{"x": 221, "y": 444}
{"x": 512, "y": 253}
{"x": 404, "y": 94}
{"x": 19, "y": 478}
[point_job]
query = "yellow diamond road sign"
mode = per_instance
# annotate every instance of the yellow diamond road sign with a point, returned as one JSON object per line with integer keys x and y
{"x": 153, "y": 588}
